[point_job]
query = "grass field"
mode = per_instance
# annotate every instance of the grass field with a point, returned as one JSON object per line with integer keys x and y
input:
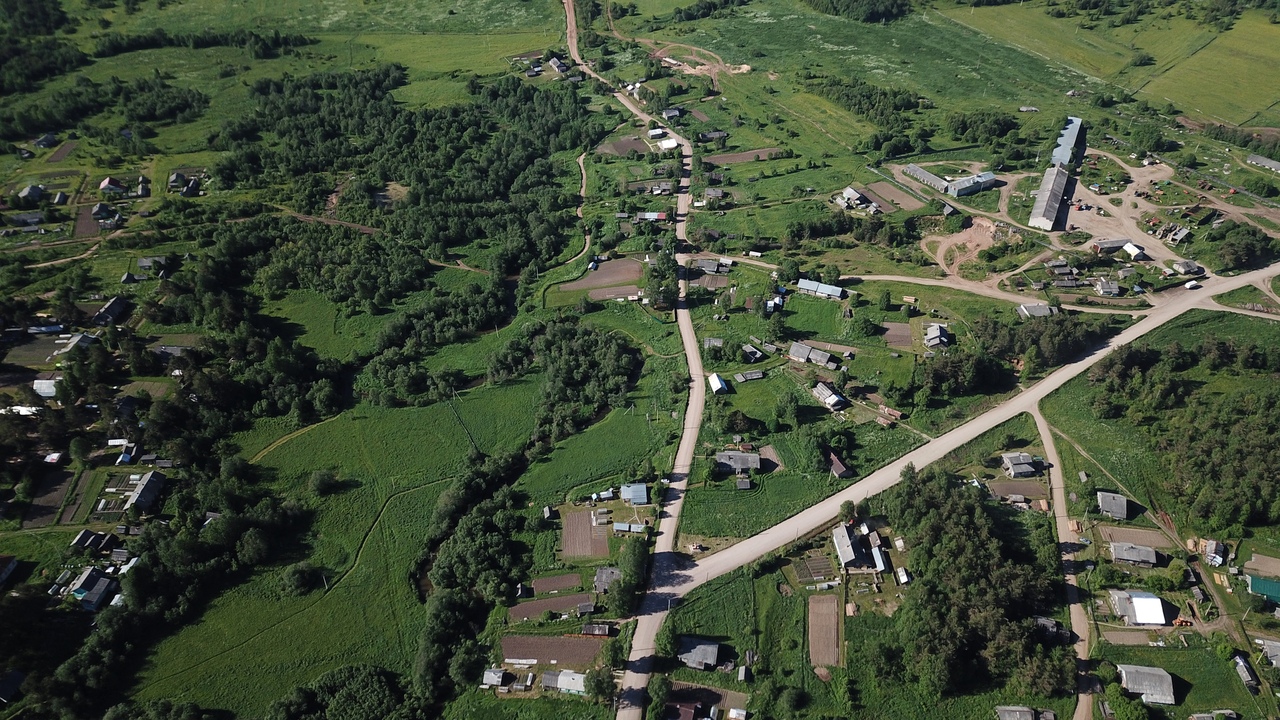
{"x": 1246, "y": 296}
{"x": 321, "y": 325}
{"x": 365, "y": 539}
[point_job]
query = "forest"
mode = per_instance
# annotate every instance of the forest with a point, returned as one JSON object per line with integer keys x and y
{"x": 1044, "y": 341}
{"x": 966, "y": 621}
{"x": 868, "y": 11}
{"x": 477, "y": 174}
{"x": 888, "y": 108}
{"x": 1227, "y": 436}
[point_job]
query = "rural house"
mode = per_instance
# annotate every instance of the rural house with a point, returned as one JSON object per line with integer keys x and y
{"x": 605, "y": 577}
{"x": 1018, "y": 464}
{"x": 494, "y": 677}
{"x": 46, "y": 141}
{"x": 826, "y": 394}
{"x": 739, "y": 463}
{"x": 822, "y": 290}
{"x": 697, "y": 653}
{"x": 144, "y": 493}
{"x": 1154, "y": 685}
{"x": 1015, "y": 712}
{"x": 1214, "y": 552}
{"x": 838, "y": 468}
{"x": 1137, "y": 607}
{"x": 111, "y": 312}
{"x": 852, "y": 551}
{"x": 1246, "y": 674}
{"x": 937, "y": 335}
{"x": 30, "y": 195}
{"x": 1131, "y": 554}
{"x": 718, "y": 385}
{"x": 1107, "y": 288}
{"x": 635, "y": 494}
{"x": 111, "y": 186}
{"x": 1026, "y": 312}
{"x": 1113, "y": 505}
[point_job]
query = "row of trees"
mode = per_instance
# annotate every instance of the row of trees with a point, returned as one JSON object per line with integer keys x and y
{"x": 258, "y": 46}
{"x": 868, "y": 11}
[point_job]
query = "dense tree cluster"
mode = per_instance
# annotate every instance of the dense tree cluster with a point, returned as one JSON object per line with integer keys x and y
{"x": 966, "y": 619}
{"x": 258, "y": 46}
{"x": 1202, "y": 434}
{"x": 868, "y": 11}
{"x": 396, "y": 374}
{"x": 144, "y": 100}
{"x": 980, "y": 126}
{"x": 587, "y": 371}
{"x": 872, "y": 229}
{"x": 364, "y": 272}
{"x": 1056, "y": 339}
{"x": 704, "y": 9}
{"x": 479, "y": 172}
{"x": 353, "y": 692}
{"x": 887, "y": 108}
{"x": 1267, "y": 145}
{"x": 1242, "y": 247}
{"x": 957, "y": 373}
{"x": 26, "y": 61}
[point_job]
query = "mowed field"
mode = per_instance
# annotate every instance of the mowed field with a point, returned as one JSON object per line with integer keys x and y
{"x": 365, "y": 539}
{"x": 1203, "y": 73}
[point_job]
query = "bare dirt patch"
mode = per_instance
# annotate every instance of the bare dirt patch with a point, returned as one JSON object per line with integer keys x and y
{"x": 61, "y": 153}
{"x": 623, "y": 147}
{"x": 558, "y": 604}
{"x": 582, "y": 539}
{"x": 610, "y": 273}
{"x": 571, "y": 651}
{"x": 892, "y": 192}
{"x": 712, "y": 282}
{"x": 1137, "y": 536}
{"x": 1025, "y": 488}
{"x": 897, "y": 334}
{"x": 49, "y": 494}
{"x": 613, "y": 293}
{"x": 1265, "y": 565}
{"x": 699, "y": 116}
{"x": 824, "y": 632}
{"x": 980, "y": 235}
{"x": 741, "y": 157}
{"x": 769, "y": 453}
{"x": 816, "y": 567}
{"x": 557, "y": 583}
{"x": 1127, "y": 638}
{"x": 86, "y": 226}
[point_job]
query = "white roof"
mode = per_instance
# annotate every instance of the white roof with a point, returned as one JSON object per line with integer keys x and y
{"x": 669, "y": 144}
{"x": 1147, "y": 608}
{"x": 717, "y": 383}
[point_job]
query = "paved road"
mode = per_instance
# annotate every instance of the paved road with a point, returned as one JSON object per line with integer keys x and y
{"x": 1079, "y": 618}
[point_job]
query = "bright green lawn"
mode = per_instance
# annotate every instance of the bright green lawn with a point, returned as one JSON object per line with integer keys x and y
{"x": 1201, "y": 682}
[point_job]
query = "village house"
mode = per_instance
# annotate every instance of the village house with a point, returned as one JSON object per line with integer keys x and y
{"x": 822, "y": 290}
{"x": 697, "y": 653}
{"x": 634, "y": 494}
{"x": 1154, "y": 685}
{"x": 111, "y": 312}
{"x": 1107, "y": 288}
{"x": 605, "y": 577}
{"x": 145, "y": 492}
{"x": 494, "y": 677}
{"x": 1214, "y": 552}
{"x": 718, "y": 385}
{"x": 1139, "y": 555}
{"x": 112, "y": 186}
{"x": 826, "y": 394}
{"x": 1026, "y": 312}
{"x": 838, "y": 468}
{"x": 1137, "y": 607}
{"x": 30, "y": 195}
{"x": 936, "y": 335}
{"x": 738, "y": 463}
{"x": 46, "y": 141}
{"x": 1113, "y": 505}
{"x": 1018, "y": 464}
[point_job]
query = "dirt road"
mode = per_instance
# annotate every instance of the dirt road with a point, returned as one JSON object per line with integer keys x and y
{"x": 1079, "y": 618}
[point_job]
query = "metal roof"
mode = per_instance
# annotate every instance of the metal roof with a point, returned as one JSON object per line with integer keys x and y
{"x": 1154, "y": 684}
{"x": 820, "y": 288}
{"x": 1044, "y": 214}
{"x": 1067, "y": 142}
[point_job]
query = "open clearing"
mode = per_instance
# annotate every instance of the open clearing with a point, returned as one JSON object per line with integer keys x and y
{"x": 582, "y": 539}
{"x": 980, "y": 234}
{"x": 1137, "y": 536}
{"x": 609, "y": 274}
{"x": 892, "y": 192}
{"x": 557, "y": 583}
{"x": 824, "y": 633}
{"x": 1266, "y": 565}
{"x": 1025, "y": 488}
{"x": 560, "y": 603}
{"x": 741, "y": 157}
{"x": 570, "y": 651}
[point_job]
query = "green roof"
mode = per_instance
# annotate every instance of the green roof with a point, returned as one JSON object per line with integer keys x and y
{"x": 1266, "y": 587}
